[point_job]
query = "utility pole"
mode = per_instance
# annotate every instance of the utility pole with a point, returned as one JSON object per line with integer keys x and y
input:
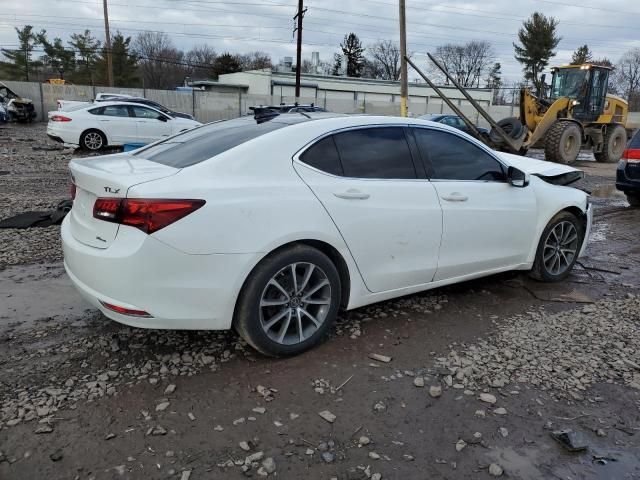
{"x": 404, "y": 86}
{"x": 108, "y": 44}
{"x": 298, "y": 29}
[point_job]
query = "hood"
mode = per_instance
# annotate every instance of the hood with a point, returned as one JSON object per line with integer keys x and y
{"x": 555, "y": 173}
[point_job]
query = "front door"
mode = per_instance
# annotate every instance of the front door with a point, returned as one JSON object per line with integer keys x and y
{"x": 389, "y": 217}
{"x": 487, "y": 223}
{"x": 152, "y": 125}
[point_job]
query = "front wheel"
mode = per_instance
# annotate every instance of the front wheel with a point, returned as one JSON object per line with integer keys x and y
{"x": 558, "y": 249}
{"x": 289, "y": 301}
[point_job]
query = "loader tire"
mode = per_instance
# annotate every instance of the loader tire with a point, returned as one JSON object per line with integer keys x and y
{"x": 511, "y": 126}
{"x": 563, "y": 142}
{"x": 615, "y": 141}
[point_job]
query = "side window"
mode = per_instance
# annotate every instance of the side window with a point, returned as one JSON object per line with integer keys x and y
{"x": 142, "y": 112}
{"x": 116, "y": 111}
{"x": 375, "y": 153}
{"x": 457, "y": 122}
{"x": 97, "y": 111}
{"x": 324, "y": 156}
{"x": 454, "y": 158}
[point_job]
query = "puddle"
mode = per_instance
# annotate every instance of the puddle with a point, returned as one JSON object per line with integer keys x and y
{"x": 607, "y": 191}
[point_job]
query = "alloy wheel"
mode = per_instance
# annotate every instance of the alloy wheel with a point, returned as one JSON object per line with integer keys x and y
{"x": 295, "y": 303}
{"x": 560, "y": 248}
{"x": 93, "y": 140}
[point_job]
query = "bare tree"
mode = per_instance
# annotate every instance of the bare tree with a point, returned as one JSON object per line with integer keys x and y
{"x": 385, "y": 57}
{"x": 200, "y": 60}
{"x": 466, "y": 63}
{"x": 161, "y": 64}
{"x": 627, "y": 77}
{"x": 255, "y": 61}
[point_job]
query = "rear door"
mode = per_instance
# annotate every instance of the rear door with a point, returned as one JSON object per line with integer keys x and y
{"x": 152, "y": 125}
{"x": 487, "y": 223}
{"x": 115, "y": 121}
{"x": 385, "y": 209}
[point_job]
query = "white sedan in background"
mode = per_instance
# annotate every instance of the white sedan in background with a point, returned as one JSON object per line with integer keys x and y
{"x": 95, "y": 126}
{"x": 271, "y": 228}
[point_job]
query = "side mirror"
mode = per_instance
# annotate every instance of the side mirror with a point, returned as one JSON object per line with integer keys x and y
{"x": 162, "y": 118}
{"x": 517, "y": 178}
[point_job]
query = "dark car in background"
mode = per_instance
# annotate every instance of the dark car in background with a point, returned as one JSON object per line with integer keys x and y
{"x": 451, "y": 120}
{"x": 628, "y": 173}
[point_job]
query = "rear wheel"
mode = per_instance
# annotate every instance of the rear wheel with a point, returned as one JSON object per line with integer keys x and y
{"x": 289, "y": 301}
{"x": 633, "y": 199}
{"x": 558, "y": 249}
{"x": 563, "y": 142}
{"x": 93, "y": 140}
{"x": 615, "y": 141}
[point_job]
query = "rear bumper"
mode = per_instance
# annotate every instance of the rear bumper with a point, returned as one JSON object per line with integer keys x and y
{"x": 624, "y": 181}
{"x": 138, "y": 272}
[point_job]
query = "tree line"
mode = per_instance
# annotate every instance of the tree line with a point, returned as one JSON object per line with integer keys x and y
{"x": 151, "y": 60}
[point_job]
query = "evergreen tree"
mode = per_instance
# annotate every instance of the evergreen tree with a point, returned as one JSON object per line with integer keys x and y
{"x": 226, "y": 63}
{"x": 352, "y": 49}
{"x": 337, "y": 64}
{"x": 19, "y": 65}
{"x": 88, "y": 50}
{"x": 123, "y": 60}
{"x": 581, "y": 55}
{"x": 60, "y": 59}
{"x": 538, "y": 41}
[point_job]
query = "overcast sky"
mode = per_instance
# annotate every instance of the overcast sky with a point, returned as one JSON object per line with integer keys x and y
{"x": 245, "y": 25}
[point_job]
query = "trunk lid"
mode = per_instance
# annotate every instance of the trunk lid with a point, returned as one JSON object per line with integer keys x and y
{"x": 555, "y": 173}
{"x": 106, "y": 176}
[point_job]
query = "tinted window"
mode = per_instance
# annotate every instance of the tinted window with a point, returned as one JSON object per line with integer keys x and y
{"x": 635, "y": 141}
{"x": 141, "y": 112}
{"x": 454, "y": 158}
{"x": 115, "y": 111}
{"x": 205, "y": 142}
{"x": 324, "y": 156}
{"x": 375, "y": 153}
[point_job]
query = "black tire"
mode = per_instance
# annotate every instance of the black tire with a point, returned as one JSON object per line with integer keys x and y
{"x": 563, "y": 142}
{"x": 633, "y": 199}
{"x": 541, "y": 270}
{"x": 615, "y": 141}
{"x": 88, "y": 140}
{"x": 511, "y": 126}
{"x": 249, "y": 317}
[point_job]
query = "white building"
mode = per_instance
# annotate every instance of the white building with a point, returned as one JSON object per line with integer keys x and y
{"x": 344, "y": 94}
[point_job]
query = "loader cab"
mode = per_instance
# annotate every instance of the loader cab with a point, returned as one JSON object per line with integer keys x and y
{"x": 586, "y": 85}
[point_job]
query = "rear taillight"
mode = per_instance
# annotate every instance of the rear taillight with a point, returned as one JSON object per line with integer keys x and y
{"x": 148, "y": 215}
{"x": 72, "y": 191}
{"x": 631, "y": 154}
{"x": 60, "y": 118}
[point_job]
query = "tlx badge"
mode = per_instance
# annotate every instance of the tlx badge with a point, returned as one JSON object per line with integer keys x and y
{"x": 111, "y": 190}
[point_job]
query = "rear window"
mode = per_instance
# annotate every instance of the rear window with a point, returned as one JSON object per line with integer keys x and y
{"x": 204, "y": 142}
{"x": 635, "y": 140}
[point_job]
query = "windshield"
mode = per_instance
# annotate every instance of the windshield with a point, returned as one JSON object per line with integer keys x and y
{"x": 569, "y": 82}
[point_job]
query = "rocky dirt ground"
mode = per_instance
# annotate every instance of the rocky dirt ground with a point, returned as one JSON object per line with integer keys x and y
{"x": 462, "y": 382}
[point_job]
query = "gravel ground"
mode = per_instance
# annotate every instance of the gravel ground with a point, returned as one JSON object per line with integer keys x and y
{"x": 464, "y": 382}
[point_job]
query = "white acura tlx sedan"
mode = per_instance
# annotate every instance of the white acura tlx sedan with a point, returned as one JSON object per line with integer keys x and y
{"x": 271, "y": 228}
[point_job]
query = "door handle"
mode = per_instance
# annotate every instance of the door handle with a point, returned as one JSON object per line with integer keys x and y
{"x": 353, "y": 194}
{"x": 455, "y": 197}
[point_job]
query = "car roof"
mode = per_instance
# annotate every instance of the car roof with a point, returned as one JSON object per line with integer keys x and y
{"x": 118, "y": 102}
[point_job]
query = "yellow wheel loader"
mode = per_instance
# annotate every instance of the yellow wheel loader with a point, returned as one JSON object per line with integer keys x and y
{"x": 576, "y": 113}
